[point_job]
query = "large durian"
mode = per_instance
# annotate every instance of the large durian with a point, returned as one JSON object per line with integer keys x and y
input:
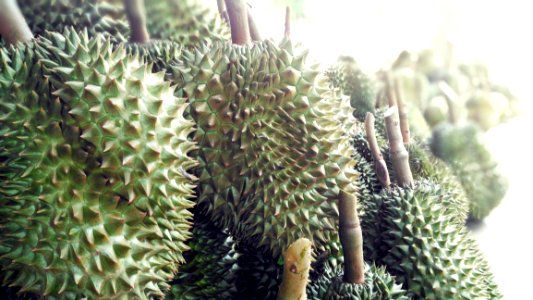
{"x": 94, "y": 189}
{"x": 434, "y": 257}
{"x": 274, "y": 145}
{"x": 96, "y": 16}
{"x": 462, "y": 147}
{"x": 211, "y": 265}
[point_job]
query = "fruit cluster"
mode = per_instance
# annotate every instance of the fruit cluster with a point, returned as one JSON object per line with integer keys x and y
{"x": 164, "y": 150}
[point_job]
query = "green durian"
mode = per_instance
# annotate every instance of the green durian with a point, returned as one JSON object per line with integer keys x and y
{"x": 96, "y": 16}
{"x": 378, "y": 285}
{"x": 211, "y": 265}
{"x": 274, "y": 145}
{"x": 156, "y": 52}
{"x": 462, "y": 147}
{"x": 187, "y": 22}
{"x": 95, "y": 190}
{"x": 424, "y": 165}
{"x": 433, "y": 257}
{"x": 354, "y": 83}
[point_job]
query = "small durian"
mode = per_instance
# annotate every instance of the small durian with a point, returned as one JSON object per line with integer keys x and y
{"x": 95, "y": 191}
{"x": 95, "y": 16}
{"x": 211, "y": 265}
{"x": 462, "y": 147}
{"x": 353, "y": 82}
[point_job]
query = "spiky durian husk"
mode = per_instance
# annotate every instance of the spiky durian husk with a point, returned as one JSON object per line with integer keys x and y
{"x": 95, "y": 190}
{"x": 347, "y": 76}
{"x": 157, "y": 52}
{"x": 211, "y": 265}
{"x": 463, "y": 149}
{"x": 187, "y": 22}
{"x": 378, "y": 285}
{"x": 274, "y": 146}
{"x": 95, "y": 16}
{"x": 434, "y": 257}
{"x": 426, "y": 166}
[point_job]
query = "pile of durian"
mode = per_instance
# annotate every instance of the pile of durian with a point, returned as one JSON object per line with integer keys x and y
{"x": 164, "y": 150}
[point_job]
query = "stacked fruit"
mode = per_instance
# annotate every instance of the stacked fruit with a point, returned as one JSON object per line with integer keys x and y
{"x": 192, "y": 167}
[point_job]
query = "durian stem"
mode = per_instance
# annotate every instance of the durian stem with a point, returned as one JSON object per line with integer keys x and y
{"x": 451, "y": 99}
{"x": 404, "y": 121}
{"x": 238, "y": 19}
{"x": 222, "y": 10}
{"x": 13, "y": 26}
{"x": 288, "y": 22}
{"x": 297, "y": 262}
{"x": 351, "y": 238}
{"x": 389, "y": 89}
{"x": 398, "y": 154}
{"x": 137, "y": 20}
{"x": 254, "y": 31}
{"x": 381, "y": 167}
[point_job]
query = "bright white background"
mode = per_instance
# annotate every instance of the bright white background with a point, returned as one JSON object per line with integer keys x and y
{"x": 498, "y": 33}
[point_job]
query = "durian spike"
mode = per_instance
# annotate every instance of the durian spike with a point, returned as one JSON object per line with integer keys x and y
{"x": 288, "y": 22}
{"x": 451, "y": 99}
{"x": 381, "y": 166}
{"x": 297, "y": 262}
{"x": 398, "y": 154}
{"x": 404, "y": 121}
{"x": 254, "y": 31}
{"x": 238, "y": 19}
{"x": 13, "y": 26}
{"x": 222, "y": 10}
{"x": 137, "y": 20}
{"x": 389, "y": 90}
{"x": 351, "y": 238}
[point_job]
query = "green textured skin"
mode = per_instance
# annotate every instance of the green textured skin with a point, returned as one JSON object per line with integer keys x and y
{"x": 211, "y": 265}
{"x": 158, "y": 53}
{"x": 187, "y": 22}
{"x": 463, "y": 149}
{"x": 94, "y": 189}
{"x": 95, "y": 16}
{"x": 434, "y": 257}
{"x": 347, "y": 76}
{"x": 424, "y": 165}
{"x": 274, "y": 146}
{"x": 378, "y": 285}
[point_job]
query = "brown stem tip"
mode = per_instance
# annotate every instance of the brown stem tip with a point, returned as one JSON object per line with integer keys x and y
{"x": 381, "y": 167}
{"x": 288, "y": 22}
{"x": 238, "y": 19}
{"x": 351, "y": 238}
{"x": 398, "y": 154}
{"x": 137, "y": 20}
{"x": 254, "y": 31}
{"x": 13, "y": 26}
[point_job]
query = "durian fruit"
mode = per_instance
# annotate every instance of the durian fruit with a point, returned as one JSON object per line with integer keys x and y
{"x": 434, "y": 257}
{"x": 462, "y": 147}
{"x": 424, "y": 165}
{"x": 379, "y": 284}
{"x": 354, "y": 83}
{"x": 95, "y": 190}
{"x": 158, "y": 53}
{"x": 187, "y": 22}
{"x": 211, "y": 265}
{"x": 96, "y": 16}
{"x": 274, "y": 145}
